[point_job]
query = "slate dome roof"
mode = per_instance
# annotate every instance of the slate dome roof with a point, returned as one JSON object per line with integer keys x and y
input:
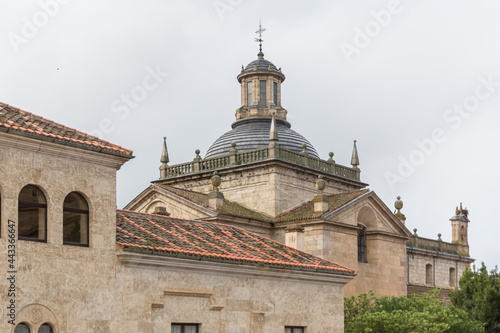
{"x": 262, "y": 64}
{"x": 253, "y": 133}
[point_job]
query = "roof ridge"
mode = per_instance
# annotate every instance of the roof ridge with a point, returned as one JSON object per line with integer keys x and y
{"x": 88, "y": 139}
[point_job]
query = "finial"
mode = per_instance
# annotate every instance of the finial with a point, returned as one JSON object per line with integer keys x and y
{"x": 216, "y": 180}
{"x": 260, "y": 40}
{"x": 242, "y": 69}
{"x": 415, "y": 232}
{"x": 331, "y": 160}
{"x": 164, "y": 152}
{"x": 398, "y": 204}
{"x": 304, "y": 149}
{"x": 273, "y": 132}
{"x": 439, "y": 237}
{"x": 197, "y": 158}
{"x": 320, "y": 184}
{"x": 355, "y": 158}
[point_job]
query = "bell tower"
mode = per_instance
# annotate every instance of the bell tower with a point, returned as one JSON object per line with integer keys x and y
{"x": 459, "y": 233}
{"x": 260, "y": 87}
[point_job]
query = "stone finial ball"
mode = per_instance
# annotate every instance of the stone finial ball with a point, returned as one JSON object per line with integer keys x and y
{"x": 415, "y": 230}
{"x": 197, "y": 152}
{"x": 320, "y": 183}
{"x": 330, "y": 154}
{"x": 398, "y": 204}
{"x": 233, "y": 144}
{"x": 216, "y": 180}
{"x": 439, "y": 235}
{"x": 304, "y": 145}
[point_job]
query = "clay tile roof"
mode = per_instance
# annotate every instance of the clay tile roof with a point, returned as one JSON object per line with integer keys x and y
{"x": 306, "y": 211}
{"x": 229, "y": 208}
{"x": 17, "y": 121}
{"x": 212, "y": 242}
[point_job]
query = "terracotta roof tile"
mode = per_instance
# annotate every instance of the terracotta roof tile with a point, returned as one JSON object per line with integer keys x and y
{"x": 306, "y": 211}
{"x": 213, "y": 241}
{"x": 17, "y": 121}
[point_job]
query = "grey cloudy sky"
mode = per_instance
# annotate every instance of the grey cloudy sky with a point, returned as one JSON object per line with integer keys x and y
{"x": 417, "y": 83}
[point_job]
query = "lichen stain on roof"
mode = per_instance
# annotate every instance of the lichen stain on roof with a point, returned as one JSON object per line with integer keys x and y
{"x": 306, "y": 211}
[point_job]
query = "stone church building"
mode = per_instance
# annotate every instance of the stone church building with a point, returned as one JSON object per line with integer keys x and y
{"x": 259, "y": 235}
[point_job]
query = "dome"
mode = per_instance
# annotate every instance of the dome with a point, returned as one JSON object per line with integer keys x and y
{"x": 261, "y": 63}
{"x": 253, "y": 133}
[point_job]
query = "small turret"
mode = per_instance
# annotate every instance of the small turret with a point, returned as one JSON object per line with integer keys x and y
{"x": 459, "y": 229}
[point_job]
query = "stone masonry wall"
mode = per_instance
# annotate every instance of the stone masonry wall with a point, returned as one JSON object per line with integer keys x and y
{"x": 270, "y": 188}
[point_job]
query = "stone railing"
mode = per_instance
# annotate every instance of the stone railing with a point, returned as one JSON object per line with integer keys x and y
{"x": 432, "y": 245}
{"x": 257, "y": 155}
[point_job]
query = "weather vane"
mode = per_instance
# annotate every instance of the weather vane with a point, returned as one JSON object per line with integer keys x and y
{"x": 260, "y": 31}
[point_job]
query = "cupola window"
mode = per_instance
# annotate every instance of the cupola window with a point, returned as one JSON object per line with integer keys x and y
{"x": 262, "y": 92}
{"x": 249, "y": 93}
{"x": 275, "y": 93}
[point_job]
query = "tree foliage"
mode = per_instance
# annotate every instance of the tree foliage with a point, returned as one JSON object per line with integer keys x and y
{"x": 420, "y": 313}
{"x": 479, "y": 295}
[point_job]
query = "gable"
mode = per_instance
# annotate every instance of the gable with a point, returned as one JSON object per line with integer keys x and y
{"x": 370, "y": 212}
{"x": 176, "y": 205}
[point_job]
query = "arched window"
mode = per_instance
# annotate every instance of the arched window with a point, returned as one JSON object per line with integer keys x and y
{"x": 428, "y": 274}
{"x": 453, "y": 277}
{"x": 362, "y": 244}
{"x": 22, "y": 328}
{"x": 45, "y": 328}
{"x": 75, "y": 220}
{"x": 32, "y": 214}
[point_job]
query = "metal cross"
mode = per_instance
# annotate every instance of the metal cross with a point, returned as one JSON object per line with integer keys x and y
{"x": 260, "y": 40}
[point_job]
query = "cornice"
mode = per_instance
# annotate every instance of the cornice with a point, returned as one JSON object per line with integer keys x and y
{"x": 59, "y": 150}
{"x": 236, "y": 269}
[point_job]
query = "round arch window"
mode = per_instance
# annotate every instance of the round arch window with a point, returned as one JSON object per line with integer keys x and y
{"x": 75, "y": 220}
{"x": 22, "y": 328}
{"x": 45, "y": 328}
{"x": 32, "y": 214}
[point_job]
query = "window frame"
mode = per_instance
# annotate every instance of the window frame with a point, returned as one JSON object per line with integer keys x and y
{"x": 78, "y": 211}
{"x": 262, "y": 93}
{"x": 32, "y": 204}
{"x": 23, "y": 323}
{"x": 249, "y": 93}
{"x": 186, "y": 324}
{"x": 275, "y": 93}
{"x": 362, "y": 248}
{"x": 292, "y": 328}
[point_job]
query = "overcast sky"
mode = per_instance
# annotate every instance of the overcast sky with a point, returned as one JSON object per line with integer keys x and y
{"x": 416, "y": 83}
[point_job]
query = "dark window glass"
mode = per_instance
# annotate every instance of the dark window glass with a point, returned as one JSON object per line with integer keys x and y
{"x": 75, "y": 220}
{"x": 275, "y": 93}
{"x": 45, "y": 328}
{"x": 294, "y": 329}
{"x": 362, "y": 245}
{"x": 32, "y": 214}
{"x": 22, "y": 328}
{"x": 249, "y": 93}
{"x": 184, "y": 328}
{"x": 262, "y": 92}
